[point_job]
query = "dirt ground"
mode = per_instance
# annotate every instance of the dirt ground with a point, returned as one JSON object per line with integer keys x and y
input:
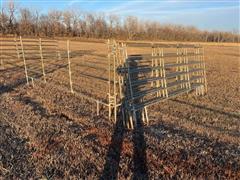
{"x": 47, "y": 132}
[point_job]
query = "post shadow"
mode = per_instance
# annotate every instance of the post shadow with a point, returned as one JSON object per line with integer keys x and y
{"x": 112, "y": 161}
{"x": 139, "y": 143}
{"x": 231, "y": 115}
{"x": 11, "y": 87}
{"x": 139, "y": 151}
{"x": 15, "y": 154}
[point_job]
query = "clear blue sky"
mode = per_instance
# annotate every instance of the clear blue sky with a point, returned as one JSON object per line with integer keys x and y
{"x": 203, "y": 14}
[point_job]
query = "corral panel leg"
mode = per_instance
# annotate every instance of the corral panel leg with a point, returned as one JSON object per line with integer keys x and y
{"x": 42, "y": 61}
{"x": 69, "y": 67}
{"x": 24, "y": 61}
{"x": 97, "y": 108}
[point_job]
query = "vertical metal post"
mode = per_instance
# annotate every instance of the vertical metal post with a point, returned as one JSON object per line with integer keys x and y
{"x": 129, "y": 116}
{"x": 177, "y": 68}
{"x": 122, "y": 58}
{"x": 156, "y": 69}
{"x": 182, "y": 60}
{"x": 196, "y": 49}
{"x": 58, "y": 51}
{"x": 153, "y": 52}
{"x": 159, "y": 71}
{"x": 32, "y": 81}
{"x": 1, "y": 57}
{"x": 42, "y": 61}
{"x": 109, "y": 80}
{"x": 188, "y": 74}
{"x": 133, "y": 119}
{"x": 204, "y": 71}
{"x": 164, "y": 76}
{"x": 97, "y": 108}
{"x": 146, "y": 114}
{"x": 1, "y": 53}
{"x": 69, "y": 67}
{"x": 16, "y": 44}
{"x": 24, "y": 61}
{"x": 198, "y": 73}
{"x": 114, "y": 86}
{"x": 199, "y": 64}
{"x": 152, "y": 63}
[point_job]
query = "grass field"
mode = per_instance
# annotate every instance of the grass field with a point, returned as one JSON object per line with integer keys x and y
{"x": 47, "y": 132}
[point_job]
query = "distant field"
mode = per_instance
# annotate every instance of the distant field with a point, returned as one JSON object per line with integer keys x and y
{"x": 167, "y": 42}
{"x": 47, "y": 132}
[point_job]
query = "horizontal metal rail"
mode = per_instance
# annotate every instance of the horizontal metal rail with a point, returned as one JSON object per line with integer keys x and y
{"x": 6, "y": 41}
{"x": 156, "y": 45}
{"x": 146, "y": 57}
{"x": 168, "y": 76}
{"x": 145, "y": 69}
{"x": 6, "y": 45}
{"x": 158, "y": 99}
{"x": 7, "y": 49}
{"x": 29, "y": 41}
{"x": 168, "y": 65}
{"x": 143, "y": 93}
{"x": 196, "y": 78}
{"x": 49, "y": 45}
{"x": 31, "y": 45}
{"x": 144, "y": 81}
{"x": 176, "y": 83}
{"x": 175, "y": 74}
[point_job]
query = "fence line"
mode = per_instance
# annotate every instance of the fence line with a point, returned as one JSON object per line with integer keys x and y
{"x": 145, "y": 72}
{"x": 133, "y": 82}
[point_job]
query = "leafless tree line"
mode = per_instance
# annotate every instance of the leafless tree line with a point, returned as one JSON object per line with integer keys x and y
{"x": 26, "y": 22}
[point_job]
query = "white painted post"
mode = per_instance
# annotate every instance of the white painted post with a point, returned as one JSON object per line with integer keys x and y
{"x": 114, "y": 86}
{"x": 24, "y": 60}
{"x": 205, "y": 75}
{"x": 164, "y": 76}
{"x": 109, "y": 80}
{"x": 42, "y": 62}
{"x": 32, "y": 81}
{"x": 69, "y": 67}
{"x": 16, "y": 45}
{"x": 97, "y": 108}
{"x": 146, "y": 113}
{"x": 1, "y": 57}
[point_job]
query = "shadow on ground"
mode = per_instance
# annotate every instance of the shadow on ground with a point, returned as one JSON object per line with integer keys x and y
{"x": 111, "y": 166}
{"x": 14, "y": 154}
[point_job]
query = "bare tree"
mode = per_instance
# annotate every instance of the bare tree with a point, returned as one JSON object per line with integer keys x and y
{"x": 11, "y": 16}
{"x": 131, "y": 25}
{"x": 36, "y": 22}
{"x": 55, "y": 20}
{"x": 114, "y": 26}
{"x": 76, "y": 25}
{"x": 4, "y": 21}
{"x": 90, "y": 23}
{"x": 67, "y": 21}
{"x": 100, "y": 30}
{"x": 26, "y": 22}
{"x": 97, "y": 25}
